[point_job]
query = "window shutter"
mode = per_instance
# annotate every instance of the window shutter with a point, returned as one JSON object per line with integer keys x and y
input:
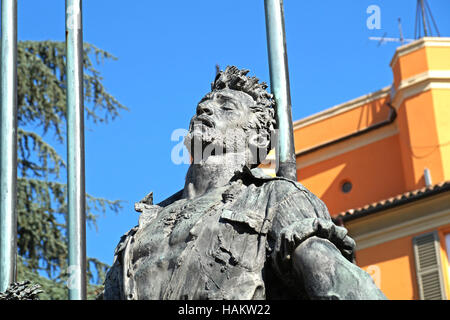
{"x": 428, "y": 266}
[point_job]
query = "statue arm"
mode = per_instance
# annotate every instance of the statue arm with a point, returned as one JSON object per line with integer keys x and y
{"x": 294, "y": 234}
{"x": 313, "y": 255}
{"x": 301, "y": 215}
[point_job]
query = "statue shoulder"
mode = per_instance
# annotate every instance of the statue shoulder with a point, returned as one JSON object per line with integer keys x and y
{"x": 175, "y": 197}
{"x": 292, "y": 196}
{"x": 123, "y": 243}
{"x": 277, "y": 184}
{"x": 114, "y": 280}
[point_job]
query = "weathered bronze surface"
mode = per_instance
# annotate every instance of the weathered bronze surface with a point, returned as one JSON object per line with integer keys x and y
{"x": 233, "y": 232}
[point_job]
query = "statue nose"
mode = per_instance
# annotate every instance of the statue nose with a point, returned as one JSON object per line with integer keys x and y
{"x": 204, "y": 108}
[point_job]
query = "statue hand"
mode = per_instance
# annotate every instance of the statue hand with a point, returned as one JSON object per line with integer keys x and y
{"x": 296, "y": 233}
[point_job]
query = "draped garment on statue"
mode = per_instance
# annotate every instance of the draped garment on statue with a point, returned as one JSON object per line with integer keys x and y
{"x": 233, "y": 242}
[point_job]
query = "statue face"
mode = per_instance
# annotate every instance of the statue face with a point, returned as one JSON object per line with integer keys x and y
{"x": 221, "y": 116}
{"x": 225, "y": 109}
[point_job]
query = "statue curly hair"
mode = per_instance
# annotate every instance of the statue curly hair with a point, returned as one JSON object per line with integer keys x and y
{"x": 236, "y": 79}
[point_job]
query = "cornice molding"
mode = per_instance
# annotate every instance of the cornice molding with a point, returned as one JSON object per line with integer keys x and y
{"x": 398, "y": 222}
{"x": 404, "y": 229}
{"x": 341, "y": 108}
{"x": 346, "y": 146}
{"x": 432, "y": 79}
{"x": 418, "y": 44}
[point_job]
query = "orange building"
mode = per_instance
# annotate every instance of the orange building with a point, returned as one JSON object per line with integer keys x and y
{"x": 381, "y": 163}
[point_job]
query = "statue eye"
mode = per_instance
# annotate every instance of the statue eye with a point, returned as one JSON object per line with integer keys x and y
{"x": 221, "y": 98}
{"x": 226, "y": 103}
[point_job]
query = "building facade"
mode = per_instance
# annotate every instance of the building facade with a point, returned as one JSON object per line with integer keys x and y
{"x": 381, "y": 163}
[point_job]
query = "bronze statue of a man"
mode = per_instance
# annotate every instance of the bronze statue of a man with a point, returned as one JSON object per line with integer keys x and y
{"x": 234, "y": 232}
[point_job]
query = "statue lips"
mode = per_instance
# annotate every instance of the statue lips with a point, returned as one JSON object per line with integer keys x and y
{"x": 205, "y": 120}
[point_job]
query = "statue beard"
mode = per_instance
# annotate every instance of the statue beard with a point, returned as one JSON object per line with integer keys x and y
{"x": 203, "y": 141}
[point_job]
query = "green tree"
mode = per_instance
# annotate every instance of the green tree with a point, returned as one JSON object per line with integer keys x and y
{"x": 41, "y": 188}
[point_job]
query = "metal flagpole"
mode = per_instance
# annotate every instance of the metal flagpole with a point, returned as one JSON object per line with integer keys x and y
{"x": 8, "y": 155}
{"x": 75, "y": 151}
{"x": 279, "y": 82}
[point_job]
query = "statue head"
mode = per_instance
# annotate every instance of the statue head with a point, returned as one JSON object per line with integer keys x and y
{"x": 236, "y": 116}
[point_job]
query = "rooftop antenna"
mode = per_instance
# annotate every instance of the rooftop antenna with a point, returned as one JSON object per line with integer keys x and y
{"x": 423, "y": 18}
{"x": 400, "y": 31}
{"x": 384, "y": 39}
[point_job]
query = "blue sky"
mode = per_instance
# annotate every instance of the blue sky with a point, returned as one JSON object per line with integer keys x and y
{"x": 167, "y": 52}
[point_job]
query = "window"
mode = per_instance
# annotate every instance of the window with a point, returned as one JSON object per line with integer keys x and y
{"x": 447, "y": 244}
{"x": 346, "y": 186}
{"x": 428, "y": 266}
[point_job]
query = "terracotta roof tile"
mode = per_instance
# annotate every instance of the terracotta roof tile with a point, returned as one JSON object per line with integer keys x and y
{"x": 393, "y": 201}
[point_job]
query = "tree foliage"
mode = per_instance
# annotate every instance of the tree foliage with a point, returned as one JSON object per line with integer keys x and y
{"x": 41, "y": 188}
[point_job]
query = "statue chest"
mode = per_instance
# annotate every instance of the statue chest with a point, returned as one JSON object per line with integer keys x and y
{"x": 192, "y": 249}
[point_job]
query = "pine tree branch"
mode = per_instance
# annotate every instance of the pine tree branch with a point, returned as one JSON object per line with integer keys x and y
{"x": 42, "y": 205}
{"x": 31, "y": 144}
